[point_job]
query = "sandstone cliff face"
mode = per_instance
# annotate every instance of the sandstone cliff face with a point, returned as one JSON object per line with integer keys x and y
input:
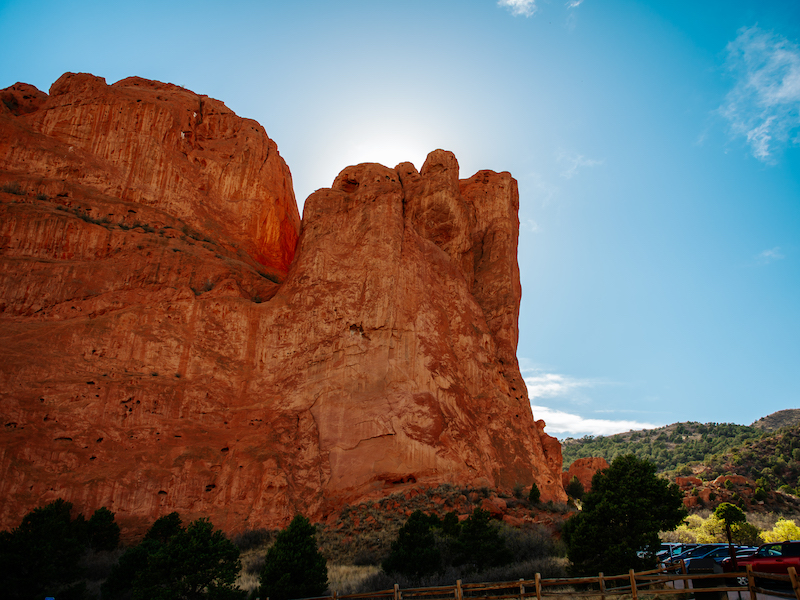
{"x": 162, "y": 347}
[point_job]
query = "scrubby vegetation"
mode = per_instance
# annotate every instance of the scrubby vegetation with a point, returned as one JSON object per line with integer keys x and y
{"x": 177, "y": 562}
{"x": 704, "y": 527}
{"x": 50, "y": 552}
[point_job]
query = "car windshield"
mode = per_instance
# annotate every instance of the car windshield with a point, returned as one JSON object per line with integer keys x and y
{"x": 770, "y": 550}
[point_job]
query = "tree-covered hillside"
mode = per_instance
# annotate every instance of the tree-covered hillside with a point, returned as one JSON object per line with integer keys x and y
{"x": 761, "y": 452}
{"x": 670, "y": 447}
{"x": 773, "y": 460}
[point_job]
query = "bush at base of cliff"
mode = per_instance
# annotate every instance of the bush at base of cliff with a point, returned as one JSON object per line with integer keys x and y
{"x": 414, "y": 552}
{"x": 294, "y": 567}
{"x": 42, "y": 557}
{"x": 175, "y": 563}
{"x": 479, "y": 545}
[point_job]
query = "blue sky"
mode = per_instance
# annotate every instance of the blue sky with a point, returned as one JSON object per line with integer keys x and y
{"x": 656, "y": 145}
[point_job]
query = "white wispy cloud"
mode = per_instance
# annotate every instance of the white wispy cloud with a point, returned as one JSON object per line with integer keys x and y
{"x": 545, "y": 385}
{"x": 573, "y": 162}
{"x": 524, "y": 8}
{"x": 768, "y": 256}
{"x": 530, "y": 225}
{"x": 549, "y": 385}
{"x": 574, "y": 3}
{"x": 764, "y": 105}
{"x": 563, "y": 424}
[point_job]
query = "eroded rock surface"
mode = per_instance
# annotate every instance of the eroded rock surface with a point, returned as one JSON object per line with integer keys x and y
{"x": 162, "y": 347}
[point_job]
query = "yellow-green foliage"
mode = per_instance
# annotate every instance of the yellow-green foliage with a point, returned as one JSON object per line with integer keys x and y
{"x": 784, "y": 530}
{"x": 696, "y": 529}
{"x": 686, "y": 532}
{"x": 713, "y": 531}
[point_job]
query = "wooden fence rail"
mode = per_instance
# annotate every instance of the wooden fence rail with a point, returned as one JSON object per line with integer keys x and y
{"x": 658, "y": 582}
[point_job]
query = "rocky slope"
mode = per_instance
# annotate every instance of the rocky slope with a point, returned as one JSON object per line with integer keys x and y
{"x": 169, "y": 340}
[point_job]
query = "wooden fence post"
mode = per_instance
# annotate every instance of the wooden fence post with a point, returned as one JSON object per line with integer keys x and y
{"x": 795, "y": 584}
{"x": 602, "y": 583}
{"x": 751, "y": 582}
{"x": 634, "y": 593}
{"x": 396, "y": 591}
{"x": 522, "y": 589}
{"x": 459, "y": 592}
{"x": 538, "y": 583}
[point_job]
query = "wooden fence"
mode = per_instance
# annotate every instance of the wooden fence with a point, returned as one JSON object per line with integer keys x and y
{"x": 646, "y": 584}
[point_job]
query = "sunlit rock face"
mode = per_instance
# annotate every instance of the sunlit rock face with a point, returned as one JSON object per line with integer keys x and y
{"x": 169, "y": 343}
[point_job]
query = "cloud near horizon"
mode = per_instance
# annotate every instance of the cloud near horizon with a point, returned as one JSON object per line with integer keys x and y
{"x": 563, "y": 424}
{"x": 525, "y": 8}
{"x": 764, "y": 105}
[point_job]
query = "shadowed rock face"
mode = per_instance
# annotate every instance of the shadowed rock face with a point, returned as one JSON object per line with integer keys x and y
{"x": 166, "y": 343}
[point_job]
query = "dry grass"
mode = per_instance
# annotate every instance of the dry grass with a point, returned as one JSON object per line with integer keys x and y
{"x": 347, "y": 579}
{"x": 247, "y": 582}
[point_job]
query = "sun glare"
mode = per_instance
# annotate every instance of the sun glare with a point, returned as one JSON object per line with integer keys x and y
{"x": 387, "y": 151}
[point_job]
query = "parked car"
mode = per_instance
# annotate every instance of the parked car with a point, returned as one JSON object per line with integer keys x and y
{"x": 719, "y": 554}
{"x": 698, "y": 551}
{"x": 669, "y": 550}
{"x": 769, "y": 558}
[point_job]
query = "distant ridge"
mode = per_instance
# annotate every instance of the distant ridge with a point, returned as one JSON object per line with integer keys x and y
{"x": 777, "y": 420}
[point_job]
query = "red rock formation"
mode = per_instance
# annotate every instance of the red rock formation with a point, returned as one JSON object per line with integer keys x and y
{"x": 584, "y": 469}
{"x": 153, "y": 358}
{"x": 159, "y": 146}
{"x": 686, "y": 483}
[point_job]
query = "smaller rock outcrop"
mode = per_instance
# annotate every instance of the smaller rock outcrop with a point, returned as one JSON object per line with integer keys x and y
{"x": 584, "y": 469}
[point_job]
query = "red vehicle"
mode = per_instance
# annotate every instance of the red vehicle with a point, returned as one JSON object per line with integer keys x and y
{"x": 769, "y": 558}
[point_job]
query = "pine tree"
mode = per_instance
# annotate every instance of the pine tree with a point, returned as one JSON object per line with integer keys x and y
{"x": 294, "y": 567}
{"x": 622, "y": 514}
{"x": 479, "y": 545}
{"x": 414, "y": 552}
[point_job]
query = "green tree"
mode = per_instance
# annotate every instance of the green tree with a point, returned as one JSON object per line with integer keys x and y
{"x": 196, "y": 563}
{"x": 535, "y": 494}
{"x": 41, "y": 557}
{"x": 451, "y": 527}
{"x": 622, "y": 514}
{"x": 134, "y": 561}
{"x": 574, "y": 488}
{"x": 479, "y": 545}
{"x": 102, "y": 531}
{"x": 414, "y": 552}
{"x": 730, "y": 515}
{"x": 164, "y": 528}
{"x": 294, "y": 567}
